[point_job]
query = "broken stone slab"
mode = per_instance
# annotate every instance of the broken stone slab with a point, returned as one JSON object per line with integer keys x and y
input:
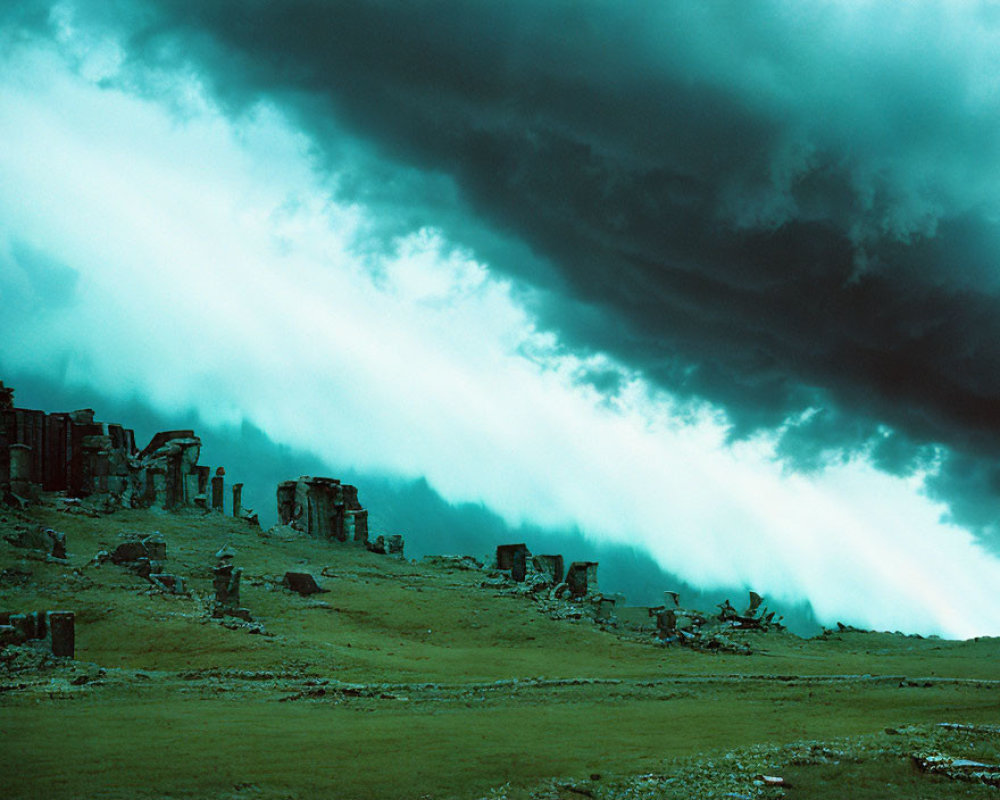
{"x": 303, "y": 583}
{"x": 46, "y": 540}
{"x": 394, "y": 545}
{"x": 151, "y": 547}
{"x": 224, "y": 552}
{"x": 172, "y": 584}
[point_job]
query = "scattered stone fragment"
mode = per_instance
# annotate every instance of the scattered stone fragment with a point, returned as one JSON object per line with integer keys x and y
{"x": 226, "y": 551}
{"x": 303, "y": 583}
{"x": 45, "y": 540}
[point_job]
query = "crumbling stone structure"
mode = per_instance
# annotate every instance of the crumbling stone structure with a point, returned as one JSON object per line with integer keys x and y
{"x": 515, "y": 558}
{"x": 551, "y": 566}
{"x": 54, "y": 629}
{"x": 72, "y": 453}
{"x": 324, "y": 508}
{"x": 581, "y": 577}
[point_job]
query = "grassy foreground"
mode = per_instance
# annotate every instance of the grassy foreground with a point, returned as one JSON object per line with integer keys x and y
{"x": 411, "y": 680}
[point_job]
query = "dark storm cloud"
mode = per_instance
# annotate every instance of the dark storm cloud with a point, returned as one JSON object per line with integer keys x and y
{"x": 774, "y": 206}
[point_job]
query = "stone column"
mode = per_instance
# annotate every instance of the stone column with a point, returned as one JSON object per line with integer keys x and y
{"x": 237, "y": 499}
{"x": 218, "y": 487}
{"x": 20, "y": 463}
{"x": 62, "y": 629}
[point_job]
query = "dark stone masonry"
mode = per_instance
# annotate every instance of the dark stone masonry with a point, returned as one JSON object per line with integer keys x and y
{"x": 71, "y": 452}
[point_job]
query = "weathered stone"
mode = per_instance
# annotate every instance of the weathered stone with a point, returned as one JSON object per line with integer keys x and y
{"x": 605, "y": 609}
{"x": 218, "y": 489}
{"x": 226, "y": 551}
{"x": 20, "y": 463}
{"x": 61, "y": 626}
{"x": 128, "y": 552}
{"x": 25, "y": 624}
{"x": 356, "y": 526}
{"x": 519, "y": 565}
{"x": 551, "y": 566}
{"x": 156, "y": 548}
{"x": 303, "y": 583}
{"x": 378, "y": 546}
{"x": 174, "y": 584}
{"x": 324, "y": 508}
{"x": 237, "y": 499}
{"x": 582, "y": 578}
{"x": 394, "y": 545}
{"x": 505, "y": 554}
{"x": 10, "y": 635}
{"x": 226, "y": 582}
{"x": 6, "y": 397}
{"x": 45, "y": 540}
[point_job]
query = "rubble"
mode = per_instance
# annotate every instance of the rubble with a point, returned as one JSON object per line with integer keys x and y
{"x": 45, "y": 540}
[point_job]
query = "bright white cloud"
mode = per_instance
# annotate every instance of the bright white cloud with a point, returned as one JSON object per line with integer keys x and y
{"x": 214, "y": 269}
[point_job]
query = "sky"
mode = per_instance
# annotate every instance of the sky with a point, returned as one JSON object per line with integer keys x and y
{"x": 716, "y": 282}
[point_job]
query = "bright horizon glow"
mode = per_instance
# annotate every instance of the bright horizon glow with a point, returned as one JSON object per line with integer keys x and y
{"x": 160, "y": 249}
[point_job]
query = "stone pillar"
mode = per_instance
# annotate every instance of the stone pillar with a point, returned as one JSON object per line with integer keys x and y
{"x": 237, "y": 499}
{"x": 286, "y": 502}
{"x": 218, "y": 487}
{"x": 20, "y": 463}
{"x": 61, "y": 625}
{"x": 519, "y": 565}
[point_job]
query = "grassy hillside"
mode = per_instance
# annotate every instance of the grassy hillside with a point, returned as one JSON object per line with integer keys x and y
{"x": 413, "y": 680}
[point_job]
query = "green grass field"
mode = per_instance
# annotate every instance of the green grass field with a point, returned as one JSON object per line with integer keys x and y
{"x": 409, "y": 680}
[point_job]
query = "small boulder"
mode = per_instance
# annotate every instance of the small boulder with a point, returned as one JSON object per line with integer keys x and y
{"x": 303, "y": 583}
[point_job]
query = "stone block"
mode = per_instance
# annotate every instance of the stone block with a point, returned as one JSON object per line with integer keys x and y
{"x": 551, "y": 566}
{"x": 505, "y": 554}
{"x": 581, "y": 577}
{"x": 394, "y": 545}
{"x": 62, "y": 633}
{"x": 303, "y": 583}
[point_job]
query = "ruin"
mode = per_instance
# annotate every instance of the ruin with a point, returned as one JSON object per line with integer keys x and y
{"x": 551, "y": 566}
{"x": 581, "y": 577}
{"x": 71, "y": 452}
{"x": 54, "y": 630}
{"x": 323, "y": 508}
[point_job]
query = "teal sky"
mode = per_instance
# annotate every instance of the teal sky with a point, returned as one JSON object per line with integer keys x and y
{"x": 716, "y": 280}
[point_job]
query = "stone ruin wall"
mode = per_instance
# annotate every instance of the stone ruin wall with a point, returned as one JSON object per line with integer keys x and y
{"x": 71, "y": 452}
{"x": 323, "y": 508}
